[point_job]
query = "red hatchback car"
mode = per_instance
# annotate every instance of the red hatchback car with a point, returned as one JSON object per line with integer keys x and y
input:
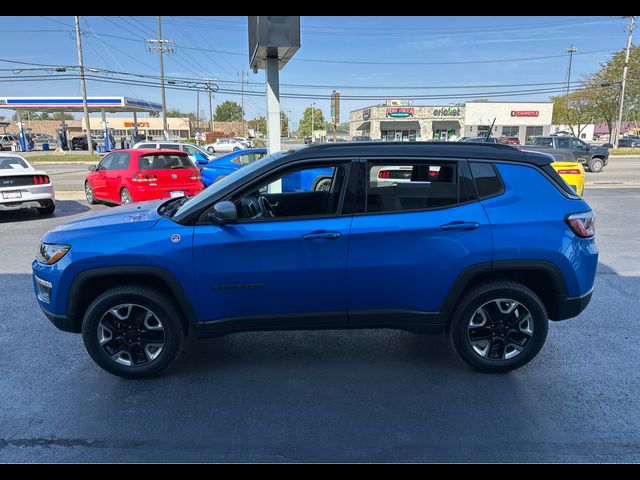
{"x": 127, "y": 176}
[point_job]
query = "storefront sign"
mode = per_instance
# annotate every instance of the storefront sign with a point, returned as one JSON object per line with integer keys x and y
{"x": 140, "y": 124}
{"x": 400, "y": 112}
{"x": 524, "y": 113}
{"x": 366, "y": 114}
{"x": 446, "y": 112}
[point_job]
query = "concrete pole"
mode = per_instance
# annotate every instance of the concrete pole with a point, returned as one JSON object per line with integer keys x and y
{"x": 273, "y": 114}
{"x": 135, "y": 128}
{"x": 63, "y": 124}
{"x": 85, "y": 108}
{"x": 618, "y": 127}
{"x": 21, "y": 139}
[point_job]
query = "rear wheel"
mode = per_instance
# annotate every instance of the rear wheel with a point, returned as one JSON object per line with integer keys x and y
{"x": 133, "y": 332}
{"x": 88, "y": 193}
{"x": 211, "y": 150}
{"x": 499, "y": 326}
{"x": 125, "y": 197}
{"x": 322, "y": 184}
{"x": 48, "y": 208}
{"x": 596, "y": 165}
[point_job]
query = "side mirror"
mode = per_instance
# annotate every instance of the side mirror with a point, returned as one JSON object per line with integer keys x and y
{"x": 201, "y": 159}
{"x": 93, "y": 168}
{"x": 223, "y": 212}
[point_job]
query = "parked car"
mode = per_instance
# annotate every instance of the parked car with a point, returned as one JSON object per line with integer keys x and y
{"x": 197, "y": 154}
{"x": 42, "y": 138}
{"x": 361, "y": 138}
{"x": 571, "y": 149}
{"x": 136, "y": 175}
{"x": 7, "y": 141}
{"x": 488, "y": 254}
{"x": 509, "y": 140}
{"x": 317, "y": 179}
{"x": 480, "y": 140}
{"x": 22, "y": 186}
{"x": 224, "y": 145}
{"x": 628, "y": 142}
{"x": 80, "y": 143}
{"x": 248, "y": 142}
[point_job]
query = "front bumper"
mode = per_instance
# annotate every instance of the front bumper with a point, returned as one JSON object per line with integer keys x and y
{"x": 61, "y": 321}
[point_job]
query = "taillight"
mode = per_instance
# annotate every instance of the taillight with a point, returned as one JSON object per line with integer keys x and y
{"x": 582, "y": 224}
{"x": 572, "y": 171}
{"x": 195, "y": 176}
{"x": 384, "y": 174}
{"x": 40, "y": 179}
{"x": 433, "y": 173}
{"x": 144, "y": 177}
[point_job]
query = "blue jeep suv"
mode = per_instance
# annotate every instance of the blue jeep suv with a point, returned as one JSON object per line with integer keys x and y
{"x": 483, "y": 241}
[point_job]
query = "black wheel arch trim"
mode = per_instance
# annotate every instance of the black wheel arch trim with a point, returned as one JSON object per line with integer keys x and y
{"x": 81, "y": 279}
{"x": 557, "y": 311}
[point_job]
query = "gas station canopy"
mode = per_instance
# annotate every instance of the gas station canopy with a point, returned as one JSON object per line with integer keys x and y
{"x": 74, "y": 104}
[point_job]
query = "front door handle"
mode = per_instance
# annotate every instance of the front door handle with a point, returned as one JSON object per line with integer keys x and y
{"x": 460, "y": 226}
{"x": 328, "y": 235}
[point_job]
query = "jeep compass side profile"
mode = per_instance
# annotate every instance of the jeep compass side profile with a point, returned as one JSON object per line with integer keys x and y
{"x": 483, "y": 241}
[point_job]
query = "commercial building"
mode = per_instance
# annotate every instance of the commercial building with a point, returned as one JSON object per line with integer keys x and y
{"x": 149, "y": 126}
{"x": 403, "y": 121}
{"x": 512, "y": 119}
{"x": 586, "y": 132}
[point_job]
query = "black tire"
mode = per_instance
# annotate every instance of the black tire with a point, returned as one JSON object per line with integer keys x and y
{"x": 596, "y": 165}
{"x": 470, "y": 303}
{"x": 48, "y": 209}
{"x": 124, "y": 195}
{"x": 322, "y": 184}
{"x": 211, "y": 150}
{"x": 89, "y": 194}
{"x": 165, "y": 311}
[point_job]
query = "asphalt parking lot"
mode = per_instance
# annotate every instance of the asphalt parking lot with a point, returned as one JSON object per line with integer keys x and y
{"x": 345, "y": 396}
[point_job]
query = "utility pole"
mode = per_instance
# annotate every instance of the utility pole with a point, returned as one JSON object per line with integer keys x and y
{"x": 161, "y": 46}
{"x": 313, "y": 111}
{"x": 242, "y": 97}
{"x": 198, "y": 110}
{"x": 571, "y": 50}
{"x": 618, "y": 126}
{"x": 84, "y": 87}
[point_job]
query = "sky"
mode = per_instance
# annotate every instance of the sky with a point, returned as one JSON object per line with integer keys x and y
{"x": 387, "y": 57}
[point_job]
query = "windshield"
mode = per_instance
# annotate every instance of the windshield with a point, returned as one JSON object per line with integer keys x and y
{"x": 211, "y": 190}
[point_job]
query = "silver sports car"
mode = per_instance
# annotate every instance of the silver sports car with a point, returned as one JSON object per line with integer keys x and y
{"x": 22, "y": 186}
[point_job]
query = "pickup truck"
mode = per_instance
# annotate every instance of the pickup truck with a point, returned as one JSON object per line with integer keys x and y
{"x": 571, "y": 149}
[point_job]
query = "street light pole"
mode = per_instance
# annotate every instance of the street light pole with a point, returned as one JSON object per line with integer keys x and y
{"x": 618, "y": 126}
{"x": 85, "y": 107}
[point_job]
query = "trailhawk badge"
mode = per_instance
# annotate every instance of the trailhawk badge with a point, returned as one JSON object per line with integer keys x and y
{"x": 175, "y": 238}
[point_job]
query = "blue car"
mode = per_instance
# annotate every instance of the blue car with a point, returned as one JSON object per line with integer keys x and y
{"x": 483, "y": 241}
{"x": 215, "y": 170}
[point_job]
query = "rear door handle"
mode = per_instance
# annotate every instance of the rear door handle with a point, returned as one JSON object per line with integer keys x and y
{"x": 460, "y": 226}
{"x": 328, "y": 235}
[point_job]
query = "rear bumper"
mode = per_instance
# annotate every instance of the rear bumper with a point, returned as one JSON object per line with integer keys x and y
{"x": 31, "y": 196}
{"x": 569, "y": 307}
{"x": 152, "y": 193}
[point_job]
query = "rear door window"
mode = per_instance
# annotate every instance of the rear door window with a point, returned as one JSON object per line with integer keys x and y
{"x": 487, "y": 180}
{"x": 164, "y": 162}
{"x": 420, "y": 185}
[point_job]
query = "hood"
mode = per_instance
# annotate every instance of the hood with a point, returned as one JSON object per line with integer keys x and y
{"x": 137, "y": 216}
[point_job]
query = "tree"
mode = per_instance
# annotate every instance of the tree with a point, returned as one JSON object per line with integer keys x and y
{"x": 304, "y": 127}
{"x": 284, "y": 124}
{"x": 344, "y": 126}
{"x": 605, "y": 88}
{"x": 576, "y": 110}
{"x": 228, "y": 112}
{"x": 259, "y": 124}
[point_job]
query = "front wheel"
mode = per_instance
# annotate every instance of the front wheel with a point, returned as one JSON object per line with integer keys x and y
{"x": 133, "y": 332}
{"x": 596, "y": 165}
{"x": 499, "y": 326}
{"x": 322, "y": 184}
{"x": 211, "y": 150}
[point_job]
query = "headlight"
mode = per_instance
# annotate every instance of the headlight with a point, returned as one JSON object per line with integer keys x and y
{"x": 50, "y": 253}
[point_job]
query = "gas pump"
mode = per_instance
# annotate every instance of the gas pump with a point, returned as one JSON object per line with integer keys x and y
{"x": 61, "y": 138}
{"x": 134, "y": 138}
{"x": 29, "y": 140}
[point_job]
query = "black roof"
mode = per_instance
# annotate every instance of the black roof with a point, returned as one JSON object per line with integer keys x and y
{"x": 489, "y": 151}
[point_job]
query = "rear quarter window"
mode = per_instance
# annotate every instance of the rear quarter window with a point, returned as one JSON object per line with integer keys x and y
{"x": 487, "y": 180}
{"x": 164, "y": 162}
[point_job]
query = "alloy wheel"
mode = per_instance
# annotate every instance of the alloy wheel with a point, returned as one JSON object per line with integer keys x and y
{"x": 500, "y": 329}
{"x": 125, "y": 197}
{"x": 131, "y": 335}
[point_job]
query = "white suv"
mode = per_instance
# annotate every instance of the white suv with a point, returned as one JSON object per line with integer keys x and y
{"x": 6, "y": 141}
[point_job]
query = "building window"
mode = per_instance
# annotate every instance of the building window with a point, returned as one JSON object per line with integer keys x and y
{"x": 510, "y": 131}
{"x": 155, "y": 132}
{"x": 534, "y": 132}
